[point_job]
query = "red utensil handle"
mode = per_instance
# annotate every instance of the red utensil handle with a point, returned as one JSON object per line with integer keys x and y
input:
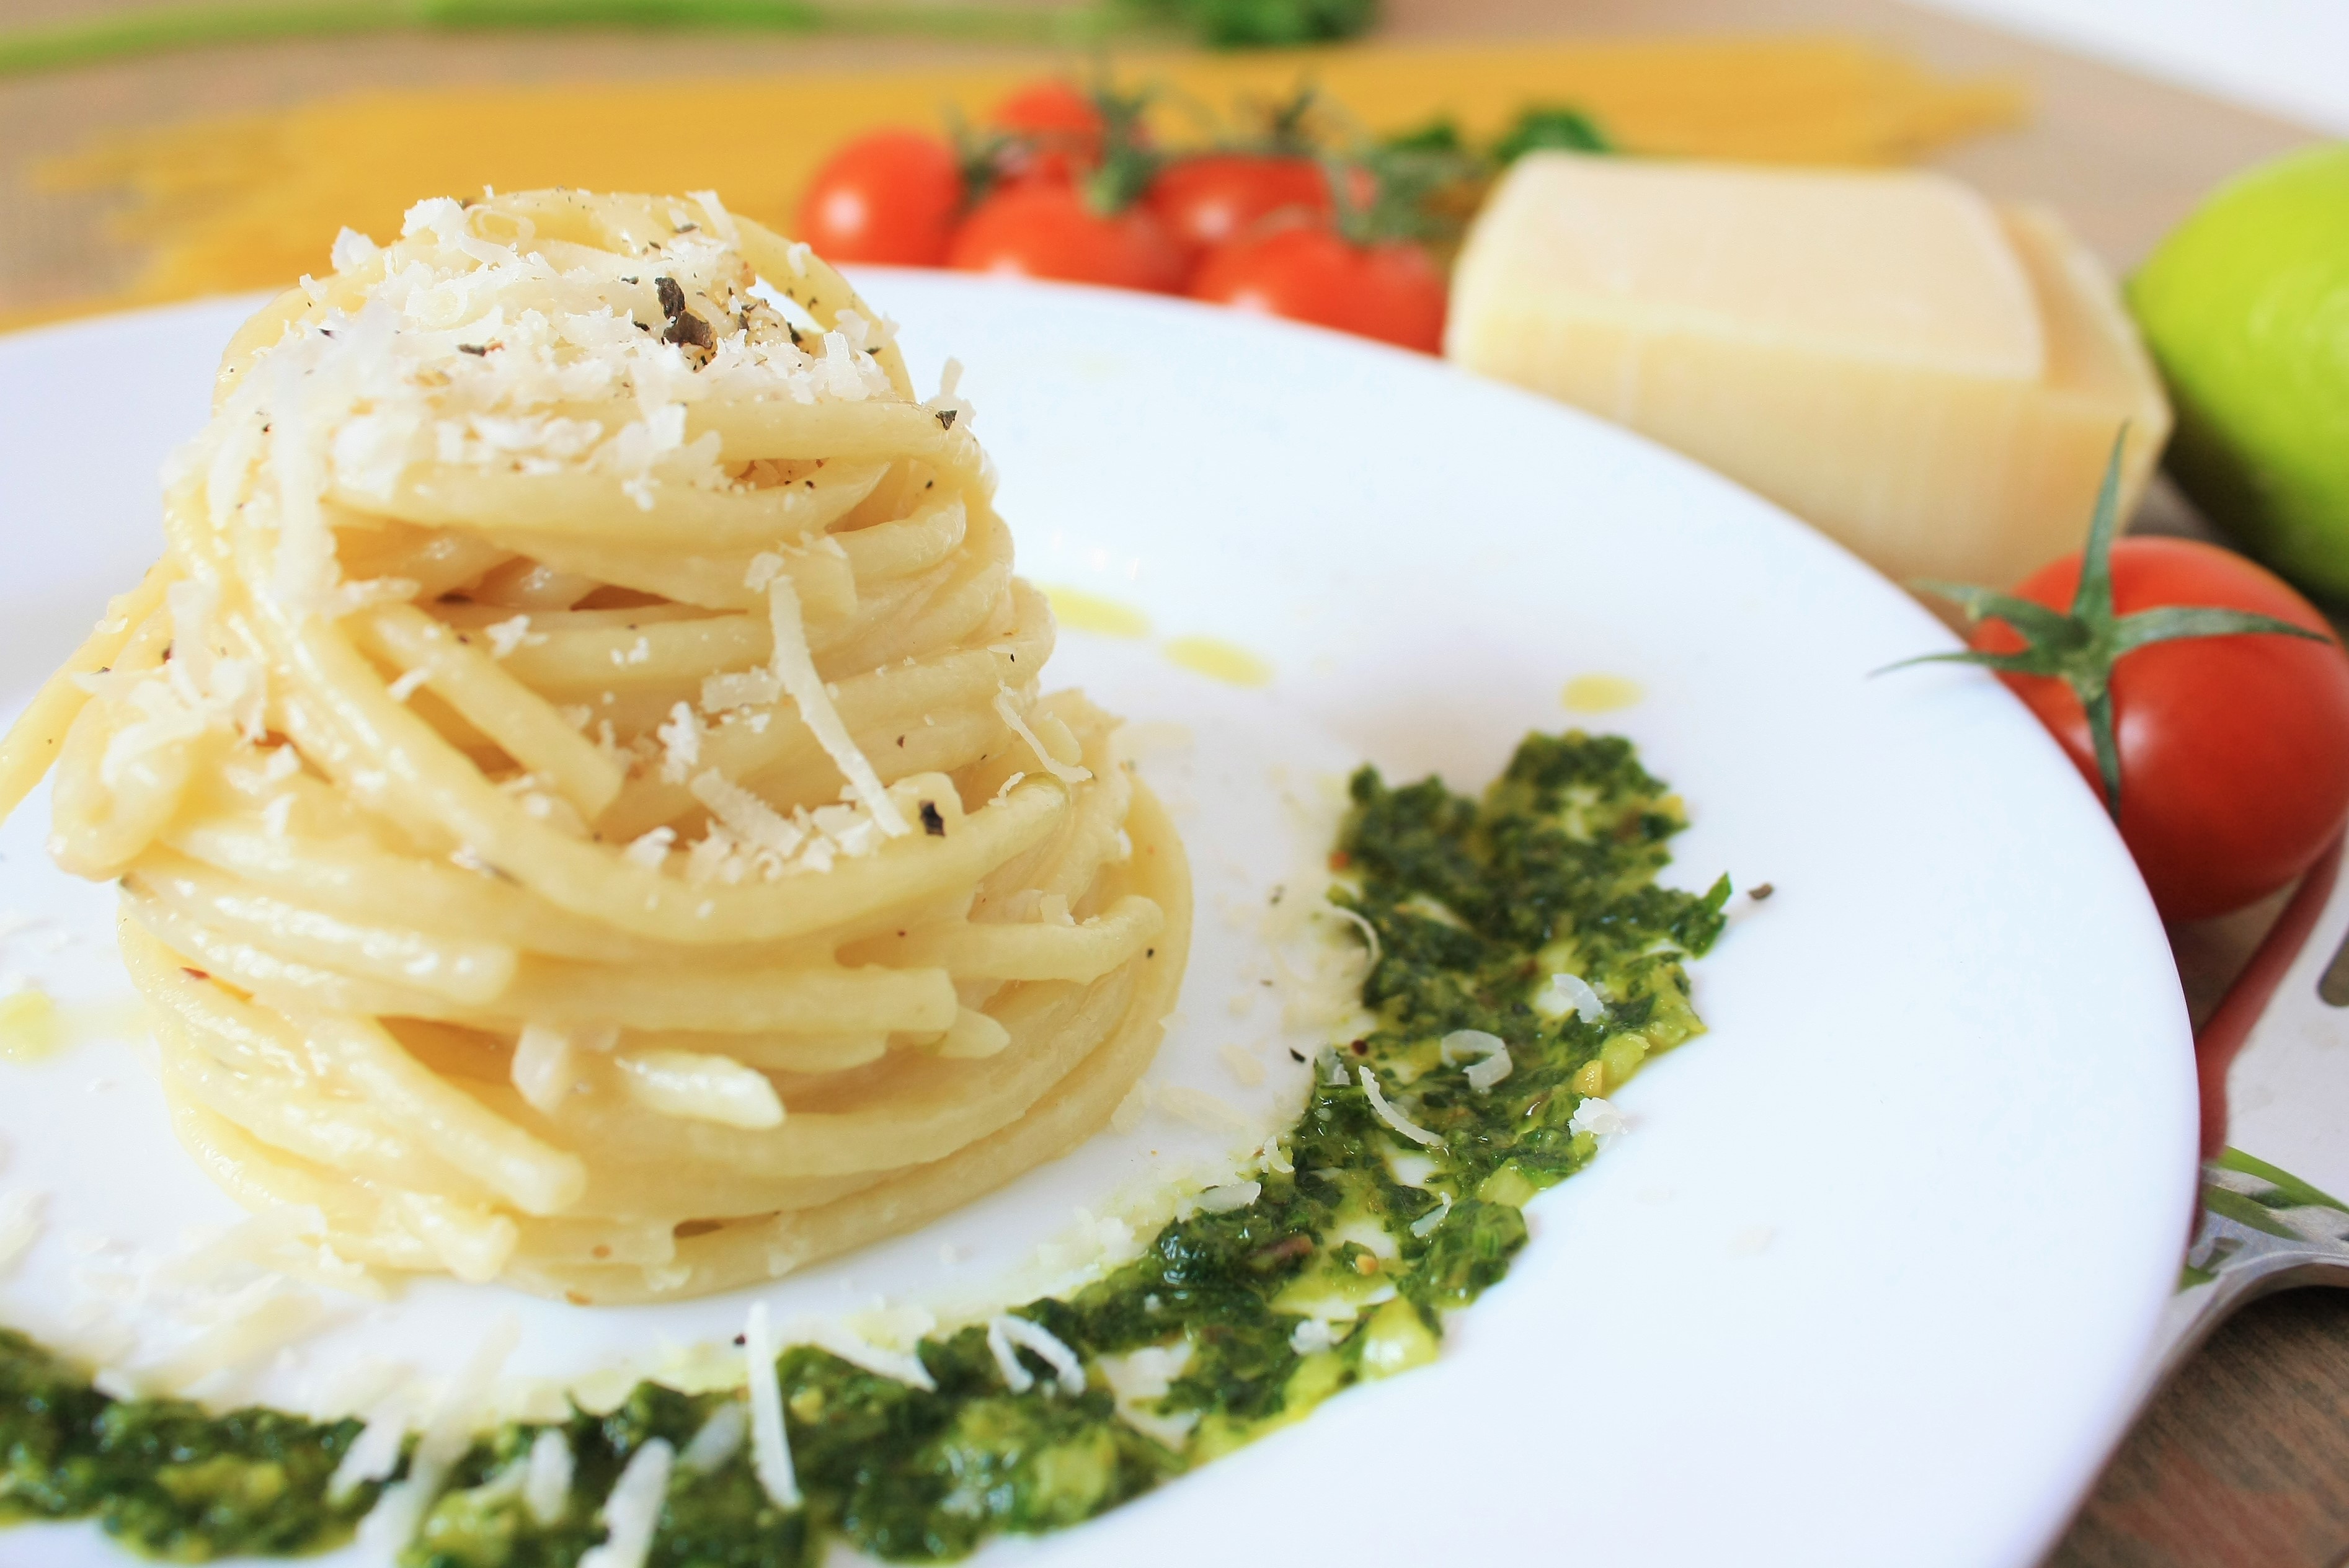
{"x": 2220, "y": 1040}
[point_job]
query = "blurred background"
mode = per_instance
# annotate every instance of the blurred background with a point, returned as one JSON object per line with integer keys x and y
{"x": 2122, "y": 115}
{"x": 2281, "y": 55}
{"x": 132, "y": 175}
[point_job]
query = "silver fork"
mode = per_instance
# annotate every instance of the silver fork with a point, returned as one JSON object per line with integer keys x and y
{"x": 2269, "y": 1220}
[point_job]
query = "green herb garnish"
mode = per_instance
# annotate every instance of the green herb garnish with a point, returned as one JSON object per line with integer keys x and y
{"x": 1550, "y": 128}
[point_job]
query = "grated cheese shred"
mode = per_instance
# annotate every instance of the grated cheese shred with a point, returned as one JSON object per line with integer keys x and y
{"x": 770, "y": 1449}
{"x": 543, "y": 1066}
{"x": 857, "y": 1351}
{"x": 632, "y": 1508}
{"x": 794, "y": 667}
{"x": 1370, "y": 933}
{"x": 720, "y": 221}
{"x": 1490, "y": 1055}
{"x": 1139, "y": 1379}
{"x": 1067, "y": 773}
{"x": 1007, "y": 1335}
{"x": 701, "y": 1085}
{"x": 505, "y": 636}
{"x": 546, "y": 1483}
{"x": 718, "y": 1440}
{"x": 374, "y": 1454}
{"x": 1231, "y": 1196}
{"x": 680, "y": 739}
{"x": 650, "y": 849}
{"x": 1599, "y": 1119}
{"x": 1391, "y": 1116}
{"x": 392, "y": 1523}
{"x": 1562, "y": 992}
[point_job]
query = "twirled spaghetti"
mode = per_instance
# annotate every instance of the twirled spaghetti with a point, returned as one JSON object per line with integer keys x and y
{"x": 577, "y": 779}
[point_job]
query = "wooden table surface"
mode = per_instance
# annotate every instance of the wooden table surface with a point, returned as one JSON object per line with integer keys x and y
{"x": 2243, "y": 1462}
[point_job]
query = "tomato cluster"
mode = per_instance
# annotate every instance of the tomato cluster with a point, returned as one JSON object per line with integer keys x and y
{"x": 1063, "y": 184}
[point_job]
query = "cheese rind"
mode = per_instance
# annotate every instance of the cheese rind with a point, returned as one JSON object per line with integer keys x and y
{"x": 1933, "y": 382}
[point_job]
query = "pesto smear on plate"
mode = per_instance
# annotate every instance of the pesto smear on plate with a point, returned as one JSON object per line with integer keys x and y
{"x": 1525, "y": 963}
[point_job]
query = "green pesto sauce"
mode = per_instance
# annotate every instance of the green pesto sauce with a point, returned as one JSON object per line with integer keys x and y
{"x": 1475, "y": 902}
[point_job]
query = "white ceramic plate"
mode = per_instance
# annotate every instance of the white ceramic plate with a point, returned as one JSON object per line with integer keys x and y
{"x": 1871, "y": 1279}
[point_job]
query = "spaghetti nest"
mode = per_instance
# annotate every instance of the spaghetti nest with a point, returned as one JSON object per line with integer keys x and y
{"x": 583, "y": 805}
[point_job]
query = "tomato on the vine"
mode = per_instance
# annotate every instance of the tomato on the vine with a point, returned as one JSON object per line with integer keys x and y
{"x": 889, "y": 196}
{"x": 1051, "y": 231}
{"x": 1058, "y": 128}
{"x": 2234, "y": 750}
{"x": 1387, "y": 289}
{"x": 1218, "y": 196}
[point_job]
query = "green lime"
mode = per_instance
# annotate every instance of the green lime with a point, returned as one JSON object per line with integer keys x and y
{"x": 2246, "y": 309}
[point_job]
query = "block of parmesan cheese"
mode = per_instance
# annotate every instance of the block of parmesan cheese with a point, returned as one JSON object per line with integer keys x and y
{"x": 1933, "y": 381}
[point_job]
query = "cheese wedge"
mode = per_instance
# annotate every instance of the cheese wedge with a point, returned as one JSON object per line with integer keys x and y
{"x": 1932, "y": 381}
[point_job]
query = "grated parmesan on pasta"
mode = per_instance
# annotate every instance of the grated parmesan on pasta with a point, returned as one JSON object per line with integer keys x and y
{"x": 536, "y": 605}
{"x": 1067, "y": 773}
{"x": 795, "y": 669}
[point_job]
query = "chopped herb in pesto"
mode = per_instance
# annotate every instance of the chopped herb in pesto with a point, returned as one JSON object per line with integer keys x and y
{"x": 165, "y": 1476}
{"x": 1340, "y": 1269}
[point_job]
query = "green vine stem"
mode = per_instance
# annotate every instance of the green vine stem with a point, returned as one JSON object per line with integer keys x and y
{"x": 2082, "y": 647}
{"x": 158, "y": 29}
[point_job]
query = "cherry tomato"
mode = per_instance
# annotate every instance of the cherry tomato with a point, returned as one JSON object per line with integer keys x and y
{"x": 890, "y": 196}
{"x": 2234, "y": 750}
{"x": 1207, "y": 201}
{"x": 1390, "y": 290}
{"x": 1062, "y": 126}
{"x": 1045, "y": 231}
{"x": 1049, "y": 106}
